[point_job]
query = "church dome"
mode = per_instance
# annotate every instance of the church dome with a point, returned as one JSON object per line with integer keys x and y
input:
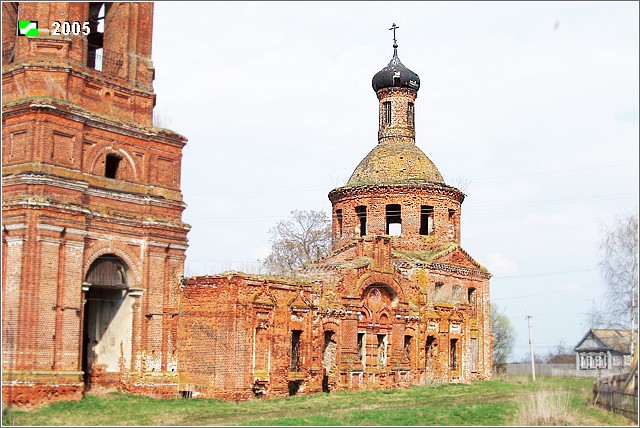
{"x": 395, "y": 74}
{"x": 394, "y": 163}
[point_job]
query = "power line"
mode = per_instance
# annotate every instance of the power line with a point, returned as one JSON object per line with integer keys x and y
{"x": 544, "y": 273}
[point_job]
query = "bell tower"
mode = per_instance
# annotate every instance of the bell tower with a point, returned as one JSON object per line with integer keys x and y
{"x": 93, "y": 241}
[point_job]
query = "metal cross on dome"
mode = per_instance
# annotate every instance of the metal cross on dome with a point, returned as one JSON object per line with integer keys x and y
{"x": 394, "y": 27}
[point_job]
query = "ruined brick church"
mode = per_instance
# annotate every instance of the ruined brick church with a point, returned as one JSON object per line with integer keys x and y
{"x": 93, "y": 244}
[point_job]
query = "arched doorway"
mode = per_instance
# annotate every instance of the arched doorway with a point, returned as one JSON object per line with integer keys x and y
{"x": 108, "y": 315}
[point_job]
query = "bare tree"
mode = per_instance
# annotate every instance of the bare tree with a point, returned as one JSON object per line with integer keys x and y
{"x": 504, "y": 336}
{"x": 304, "y": 237}
{"x": 619, "y": 269}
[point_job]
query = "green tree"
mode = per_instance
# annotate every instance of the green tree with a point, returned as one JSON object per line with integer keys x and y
{"x": 304, "y": 237}
{"x": 504, "y": 336}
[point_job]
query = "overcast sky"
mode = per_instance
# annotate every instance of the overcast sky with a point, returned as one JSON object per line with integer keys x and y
{"x": 530, "y": 108}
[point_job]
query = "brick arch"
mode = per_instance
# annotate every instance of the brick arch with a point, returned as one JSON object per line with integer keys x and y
{"x": 330, "y": 325}
{"x": 103, "y": 151}
{"x": 387, "y": 313}
{"x": 110, "y": 249}
{"x": 379, "y": 278}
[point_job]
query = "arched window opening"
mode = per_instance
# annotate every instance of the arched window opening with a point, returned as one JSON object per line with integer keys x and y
{"x": 111, "y": 165}
{"x": 394, "y": 220}
{"x": 426, "y": 220}
{"x": 361, "y": 229}
{"x": 95, "y": 38}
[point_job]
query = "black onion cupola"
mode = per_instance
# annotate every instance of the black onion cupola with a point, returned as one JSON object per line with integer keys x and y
{"x": 395, "y": 74}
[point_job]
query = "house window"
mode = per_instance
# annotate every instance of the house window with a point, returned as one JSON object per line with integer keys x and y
{"x": 112, "y": 162}
{"x": 453, "y": 354}
{"x": 410, "y": 115}
{"x": 394, "y": 220}
{"x": 295, "y": 350}
{"x": 387, "y": 112}
{"x": 339, "y": 218}
{"x": 426, "y": 220}
{"x": 361, "y": 211}
{"x": 382, "y": 351}
{"x": 439, "y": 291}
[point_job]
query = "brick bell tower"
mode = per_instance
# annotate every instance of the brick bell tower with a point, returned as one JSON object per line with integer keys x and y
{"x": 93, "y": 244}
{"x": 396, "y": 190}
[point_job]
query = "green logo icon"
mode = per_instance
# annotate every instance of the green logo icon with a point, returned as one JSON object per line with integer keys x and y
{"x": 28, "y": 28}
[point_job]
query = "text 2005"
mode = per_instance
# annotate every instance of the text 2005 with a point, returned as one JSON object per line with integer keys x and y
{"x": 66, "y": 28}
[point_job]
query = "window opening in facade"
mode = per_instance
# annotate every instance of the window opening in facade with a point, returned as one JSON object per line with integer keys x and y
{"x": 410, "y": 114}
{"x": 431, "y": 352}
{"x": 382, "y": 351}
{"x": 473, "y": 345}
{"x": 394, "y": 220}
{"x": 439, "y": 291}
{"x": 329, "y": 350}
{"x": 295, "y": 350}
{"x": 361, "y": 211}
{"x": 387, "y": 112}
{"x": 339, "y": 218}
{"x": 457, "y": 293}
{"x": 407, "y": 348}
{"x": 361, "y": 356}
{"x": 111, "y": 165}
{"x": 261, "y": 352}
{"x": 451, "y": 213}
{"x": 95, "y": 38}
{"x": 426, "y": 220}
{"x": 471, "y": 296}
{"x": 453, "y": 354}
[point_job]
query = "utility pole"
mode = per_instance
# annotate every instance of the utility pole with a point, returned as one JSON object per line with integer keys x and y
{"x": 533, "y": 362}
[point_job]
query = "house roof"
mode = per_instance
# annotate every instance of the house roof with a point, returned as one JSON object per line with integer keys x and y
{"x": 606, "y": 339}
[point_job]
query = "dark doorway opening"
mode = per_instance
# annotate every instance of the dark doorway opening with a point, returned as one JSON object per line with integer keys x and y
{"x": 294, "y": 387}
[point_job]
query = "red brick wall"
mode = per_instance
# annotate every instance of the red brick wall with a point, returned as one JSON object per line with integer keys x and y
{"x": 227, "y": 322}
{"x": 61, "y": 212}
{"x": 446, "y": 229}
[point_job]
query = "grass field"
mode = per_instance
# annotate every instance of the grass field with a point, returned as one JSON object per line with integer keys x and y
{"x": 503, "y": 401}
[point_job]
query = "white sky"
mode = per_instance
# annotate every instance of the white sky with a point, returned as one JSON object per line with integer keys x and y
{"x": 534, "y": 105}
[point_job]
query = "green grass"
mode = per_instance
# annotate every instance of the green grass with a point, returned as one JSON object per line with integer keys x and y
{"x": 488, "y": 403}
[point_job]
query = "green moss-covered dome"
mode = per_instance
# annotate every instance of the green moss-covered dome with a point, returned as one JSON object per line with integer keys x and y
{"x": 395, "y": 162}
